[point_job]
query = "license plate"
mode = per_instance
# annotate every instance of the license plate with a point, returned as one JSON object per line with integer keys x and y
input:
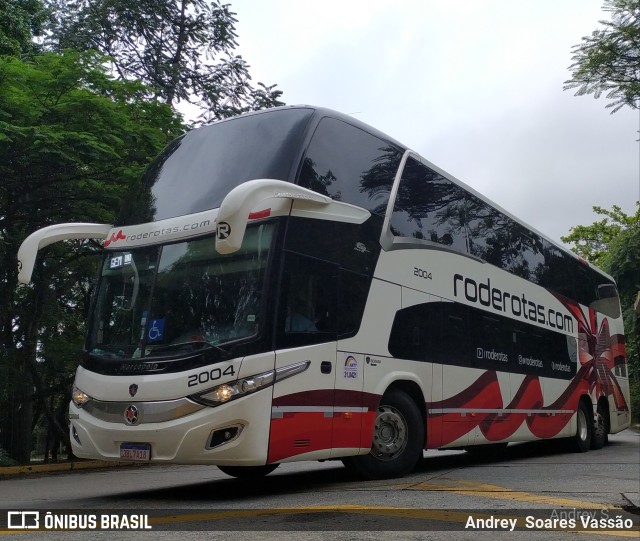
{"x": 137, "y": 452}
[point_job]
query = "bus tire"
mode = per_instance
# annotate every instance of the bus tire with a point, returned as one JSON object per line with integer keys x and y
{"x": 600, "y": 435}
{"x": 581, "y": 442}
{"x": 248, "y": 472}
{"x": 398, "y": 439}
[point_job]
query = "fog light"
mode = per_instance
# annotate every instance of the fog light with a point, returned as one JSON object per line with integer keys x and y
{"x": 224, "y": 435}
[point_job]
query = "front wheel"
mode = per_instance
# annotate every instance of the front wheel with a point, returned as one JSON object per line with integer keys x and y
{"x": 248, "y": 472}
{"x": 398, "y": 439}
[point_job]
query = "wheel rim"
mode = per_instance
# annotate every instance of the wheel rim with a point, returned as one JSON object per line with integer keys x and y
{"x": 583, "y": 429}
{"x": 390, "y": 434}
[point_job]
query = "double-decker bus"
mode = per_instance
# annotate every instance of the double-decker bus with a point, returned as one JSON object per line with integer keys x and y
{"x": 292, "y": 284}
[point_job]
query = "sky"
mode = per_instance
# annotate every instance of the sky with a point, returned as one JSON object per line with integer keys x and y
{"x": 473, "y": 86}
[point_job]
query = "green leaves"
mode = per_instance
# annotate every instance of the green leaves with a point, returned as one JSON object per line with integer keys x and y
{"x": 592, "y": 241}
{"x": 182, "y": 50}
{"x": 78, "y": 125}
{"x": 613, "y": 243}
{"x": 608, "y": 61}
{"x": 19, "y": 21}
{"x": 73, "y": 139}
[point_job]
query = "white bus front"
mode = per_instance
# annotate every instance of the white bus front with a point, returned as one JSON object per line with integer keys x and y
{"x": 170, "y": 321}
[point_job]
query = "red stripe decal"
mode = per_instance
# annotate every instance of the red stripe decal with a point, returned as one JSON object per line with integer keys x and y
{"x": 260, "y": 214}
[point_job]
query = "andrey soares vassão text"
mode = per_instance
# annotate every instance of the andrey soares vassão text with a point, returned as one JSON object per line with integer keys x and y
{"x": 601, "y": 519}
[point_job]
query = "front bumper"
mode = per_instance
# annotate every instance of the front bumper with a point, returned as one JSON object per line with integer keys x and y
{"x": 186, "y": 439}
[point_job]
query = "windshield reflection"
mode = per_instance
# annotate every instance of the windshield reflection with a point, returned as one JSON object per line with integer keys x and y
{"x": 179, "y": 298}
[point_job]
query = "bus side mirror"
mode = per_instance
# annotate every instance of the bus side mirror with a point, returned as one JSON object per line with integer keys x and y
{"x": 48, "y": 235}
{"x": 235, "y": 209}
{"x": 251, "y": 200}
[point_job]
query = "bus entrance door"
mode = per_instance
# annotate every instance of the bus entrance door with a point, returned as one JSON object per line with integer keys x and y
{"x": 348, "y": 409}
{"x": 302, "y": 409}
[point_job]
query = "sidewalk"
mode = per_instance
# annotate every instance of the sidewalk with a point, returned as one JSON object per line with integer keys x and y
{"x": 6, "y": 471}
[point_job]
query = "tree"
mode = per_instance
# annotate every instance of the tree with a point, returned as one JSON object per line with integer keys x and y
{"x": 19, "y": 21}
{"x": 608, "y": 61}
{"x": 592, "y": 241}
{"x": 71, "y": 140}
{"x": 613, "y": 243}
{"x": 183, "y": 50}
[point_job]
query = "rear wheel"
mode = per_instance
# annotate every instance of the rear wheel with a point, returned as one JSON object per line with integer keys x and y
{"x": 584, "y": 431}
{"x": 398, "y": 439}
{"x": 600, "y": 435}
{"x": 248, "y": 472}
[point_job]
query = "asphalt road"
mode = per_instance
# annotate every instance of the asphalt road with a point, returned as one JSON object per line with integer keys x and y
{"x": 451, "y": 495}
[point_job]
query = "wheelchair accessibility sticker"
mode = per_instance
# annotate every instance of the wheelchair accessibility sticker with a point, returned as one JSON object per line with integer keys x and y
{"x": 155, "y": 332}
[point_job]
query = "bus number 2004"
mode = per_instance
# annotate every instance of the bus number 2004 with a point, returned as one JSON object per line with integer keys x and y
{"x": 210, "y": 375}
{"x": 421, "y": 273}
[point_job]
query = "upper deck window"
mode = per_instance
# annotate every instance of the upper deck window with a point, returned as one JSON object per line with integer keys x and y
{"x": 429, "y": 207}
{"x": 350, "y": 165}
{"x": 196, "y": 171}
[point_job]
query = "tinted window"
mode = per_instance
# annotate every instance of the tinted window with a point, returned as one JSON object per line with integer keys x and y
{"x": 354, "y": 290}
{"x": 559, "y": 270}
{"x": 459, "y": 335}
{"x": 308, "y": 312}
{"x": 353, "y": 247}
{"x": 415, "y": 334}
{"x": 503, "y": 242}
{"x": 429, "y": 207}
{"x": 585, "y": 283}
{"x": 488, "y": 231}
{"x": 350, "y": 165}
{"x": 607, "y": 301}
{"x": 526, "y": 253}
{"x": 195, "y": 172}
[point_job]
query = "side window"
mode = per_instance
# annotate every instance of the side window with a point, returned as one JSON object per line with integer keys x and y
{"x": 308, "y": 313}
{"x": 456, "y": 345}
{"x": 415, "y": 334}
{"x": 558, "y": 274}
{"x": 526, "y": 257}
{"x": 491, "y": 341}
{"x": 354, "y": 290}
{"x": 585, "y": 283}
{"x": 499, "y": 240}
{"x": 488, "y": 231}
{"x": 350, "y": 165}
{"x": 429, "y": 207}
{"x": 607, "y": 301}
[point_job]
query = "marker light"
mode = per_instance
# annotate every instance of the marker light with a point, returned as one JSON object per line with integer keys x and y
{"x": 79, "y": 397}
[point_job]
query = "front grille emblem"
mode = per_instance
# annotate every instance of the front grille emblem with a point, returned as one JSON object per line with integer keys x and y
{"x": 131, "y": 414}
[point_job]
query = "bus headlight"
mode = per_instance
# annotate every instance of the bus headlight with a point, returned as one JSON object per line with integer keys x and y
{"x": 234, "y": 389}
{"x": 79, "y": 398}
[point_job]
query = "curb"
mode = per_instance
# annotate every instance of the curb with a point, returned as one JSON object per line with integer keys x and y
{"x": 62, "y": 467}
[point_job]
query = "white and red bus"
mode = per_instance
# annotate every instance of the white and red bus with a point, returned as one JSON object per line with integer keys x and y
{"x": 292, "y": 284}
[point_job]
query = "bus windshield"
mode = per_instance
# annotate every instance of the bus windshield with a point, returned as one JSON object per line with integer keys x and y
{"x": 160, "y": 301}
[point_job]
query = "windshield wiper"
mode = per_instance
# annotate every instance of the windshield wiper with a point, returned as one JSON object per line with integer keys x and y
{"x": 196, "y": 345}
